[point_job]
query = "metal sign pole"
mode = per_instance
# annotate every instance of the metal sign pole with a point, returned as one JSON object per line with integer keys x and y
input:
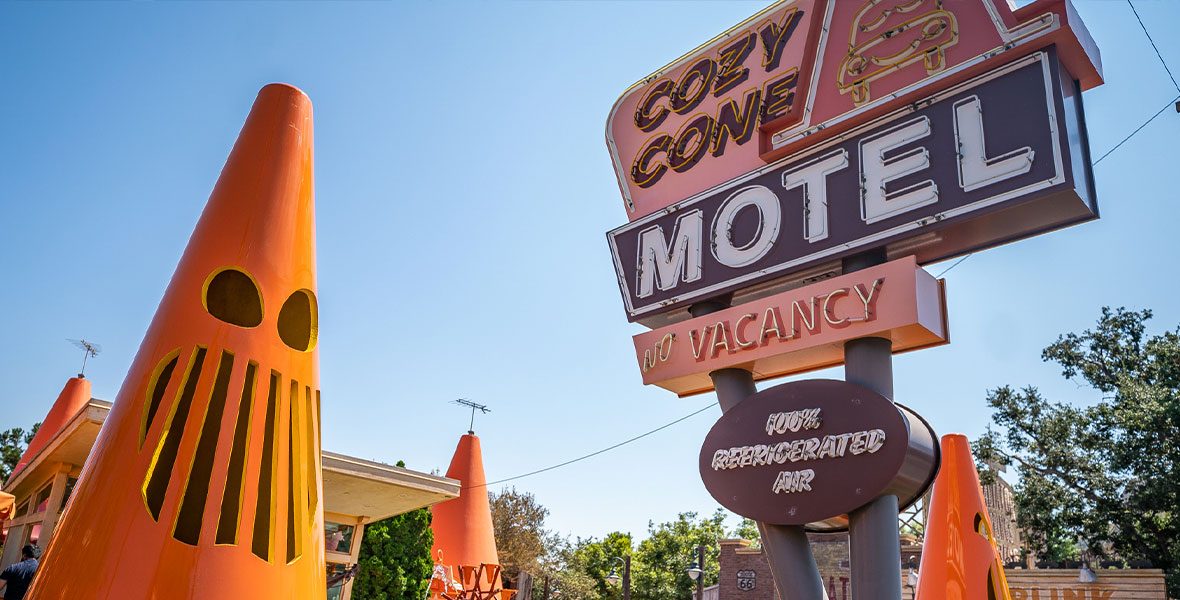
{"x": 874, "y": 544}
{"x": 787, "y": 550}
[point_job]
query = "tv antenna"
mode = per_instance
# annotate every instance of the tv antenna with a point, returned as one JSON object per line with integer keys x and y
{"x": 91, "y": 349}
{"x": 474, "y": 407}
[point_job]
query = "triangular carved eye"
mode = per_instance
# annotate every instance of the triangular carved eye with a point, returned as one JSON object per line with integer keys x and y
{"x": 230, "y": 295}
{"x": 299, "y": 321}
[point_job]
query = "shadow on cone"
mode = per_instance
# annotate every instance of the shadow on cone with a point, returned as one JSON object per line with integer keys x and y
{"x": 959, "y": 556}
{"x": 205, "y": 479}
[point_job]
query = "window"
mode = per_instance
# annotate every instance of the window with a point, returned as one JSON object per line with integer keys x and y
{"x": 22, "y": 510}
{"x": 42, "y": 501}
{"x": 65, "y": 498}
{"x": 335, "y": 588}
{"x": 338, "y": 537}
{"x": 32, "y": 534}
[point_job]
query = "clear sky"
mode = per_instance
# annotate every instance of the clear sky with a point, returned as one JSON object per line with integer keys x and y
{"x": 463, "y": 190}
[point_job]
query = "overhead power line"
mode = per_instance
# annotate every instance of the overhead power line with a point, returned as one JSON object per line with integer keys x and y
{"x": 607, "y": 449}
{"x": 1137, "y": 129}
{"x": 953, "y": 266}
{"x": 1157, "y": 50}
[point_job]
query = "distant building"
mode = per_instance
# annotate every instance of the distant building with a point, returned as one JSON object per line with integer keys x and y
{"x": 1001, "y": 508}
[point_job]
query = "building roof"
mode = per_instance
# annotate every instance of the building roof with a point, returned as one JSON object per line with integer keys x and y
{"x": 374, "y": 490}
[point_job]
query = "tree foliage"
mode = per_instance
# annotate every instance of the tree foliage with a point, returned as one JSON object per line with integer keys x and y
{"x": 747, "y": 529}
{"x": 670, "y": 549}
{"x": 394, "y": 561}
{"x": 658, "y": 564}
{"x": 12, "y": 445}
{"x": 522, "y": 542}
{"x": 1107, "y": 474}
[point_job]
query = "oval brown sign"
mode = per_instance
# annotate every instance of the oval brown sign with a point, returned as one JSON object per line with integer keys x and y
{"x": 805, "y": 452}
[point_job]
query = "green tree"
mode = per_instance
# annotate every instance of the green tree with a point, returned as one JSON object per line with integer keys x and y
{"x": 394, "y": 561}
{"x": 670, "y": 550}
{"x": 748, "y": 530}
{"x": 573, "y": 571}
{"x": 596, "y": 559}
{"x": 1106, "y": 474}
{"x": 12, "y": 445}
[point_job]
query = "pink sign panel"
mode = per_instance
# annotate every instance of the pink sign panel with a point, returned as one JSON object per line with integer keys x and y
{"x": 803, "y": 71}
{"x": 881, "y": 54}
{"x": 698, "y": 121}
{"x": 799, "y": 330}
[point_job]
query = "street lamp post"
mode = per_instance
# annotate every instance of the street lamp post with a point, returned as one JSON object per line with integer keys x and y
{"x": 696, "y": 572}
{"x": 613, "y": 578}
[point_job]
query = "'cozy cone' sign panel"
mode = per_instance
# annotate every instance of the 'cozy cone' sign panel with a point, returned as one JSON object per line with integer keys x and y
{"x": 802, "y": 453}
{"x": 997, "y": 159}
{"x": 799, "y": 330}
{"x": 697, "y": 121}
{"x": 803, "y": 71}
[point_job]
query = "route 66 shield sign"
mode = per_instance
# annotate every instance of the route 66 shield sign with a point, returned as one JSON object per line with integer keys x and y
{"x": 745, "y": 580}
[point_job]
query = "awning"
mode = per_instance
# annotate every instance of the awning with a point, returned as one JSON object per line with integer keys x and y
{"x": 7, "y": 501}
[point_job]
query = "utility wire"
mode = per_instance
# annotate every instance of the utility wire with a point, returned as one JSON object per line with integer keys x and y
{"x": 953, "y": 266}
{"x": 1157, "y": 50}
{"x": 1137, "y": 129}
{"x": 623, "y": 443}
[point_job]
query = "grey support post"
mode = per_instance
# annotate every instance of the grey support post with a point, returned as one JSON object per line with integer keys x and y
{"x": 786, "y": 546}
{"x": 874, "y": 544}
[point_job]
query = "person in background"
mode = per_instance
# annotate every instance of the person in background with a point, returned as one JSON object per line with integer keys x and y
{"x": 14, "y": 581}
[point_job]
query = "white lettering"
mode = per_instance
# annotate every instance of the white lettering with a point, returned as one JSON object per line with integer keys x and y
{"x": 876, "y": 171}
{"x": 839, "y": 445}
{"x": 664, "y": 266}
{"x": 789, "y": 482}
{"x": 976, "y": 170}
{"x": 769, "y": 221}
{"x": 813, "y": 178}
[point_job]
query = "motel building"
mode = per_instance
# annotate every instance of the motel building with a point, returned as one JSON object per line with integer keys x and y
{"x": 356, "y": 491}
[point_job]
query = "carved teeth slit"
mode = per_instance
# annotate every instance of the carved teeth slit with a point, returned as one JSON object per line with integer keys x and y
{"x": 155, "y": 484}
{"x": 196, "y": 488}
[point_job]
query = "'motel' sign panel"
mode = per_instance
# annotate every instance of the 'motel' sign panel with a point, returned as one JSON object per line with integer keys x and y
{"x": 998, "y": 158}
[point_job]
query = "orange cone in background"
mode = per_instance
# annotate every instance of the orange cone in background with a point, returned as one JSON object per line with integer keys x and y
{"x": 205, "y": 480}
{"x": 462, "y": 527}
{"x": 959, "y": 556}
{"x": 72, "y": 398}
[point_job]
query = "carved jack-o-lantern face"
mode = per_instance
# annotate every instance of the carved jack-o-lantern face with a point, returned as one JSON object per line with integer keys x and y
{"x": 233, "y": 297}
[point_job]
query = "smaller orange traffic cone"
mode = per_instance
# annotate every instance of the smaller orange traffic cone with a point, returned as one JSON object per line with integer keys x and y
{"x": 463, "y": 526}
{"x": 959, "y": 556}
{"x": 72, "y": 398}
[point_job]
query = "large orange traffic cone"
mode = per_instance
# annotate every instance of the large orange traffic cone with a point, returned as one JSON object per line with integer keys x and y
{"x": 959, "y": 556}
{"x": 205, "y": 480}
{"x": 462, "y": 527}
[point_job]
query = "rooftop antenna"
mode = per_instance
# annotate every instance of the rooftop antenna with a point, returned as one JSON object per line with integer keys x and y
{"x": 474, "y": 407}
{"x": 91, "y": 349}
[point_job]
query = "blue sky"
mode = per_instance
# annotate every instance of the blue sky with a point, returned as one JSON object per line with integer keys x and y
{"x": 463, "y": 191}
